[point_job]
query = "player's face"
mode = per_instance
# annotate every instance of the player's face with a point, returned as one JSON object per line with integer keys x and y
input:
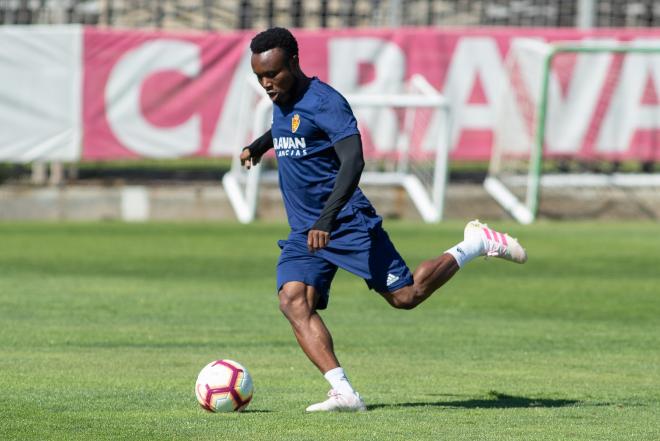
{"x": 275, "y": 72}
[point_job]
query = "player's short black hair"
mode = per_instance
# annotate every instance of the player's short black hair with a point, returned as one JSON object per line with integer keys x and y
{"x": 272, "y": 38}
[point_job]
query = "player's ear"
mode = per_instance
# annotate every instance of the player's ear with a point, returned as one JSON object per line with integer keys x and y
{"x": 294, "y": 62}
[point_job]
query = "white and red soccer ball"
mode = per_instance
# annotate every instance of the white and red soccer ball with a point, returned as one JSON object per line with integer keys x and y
{"x": 224, "y": 386}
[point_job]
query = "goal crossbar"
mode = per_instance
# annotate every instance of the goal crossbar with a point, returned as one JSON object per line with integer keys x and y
{"x": 526, "y": 211}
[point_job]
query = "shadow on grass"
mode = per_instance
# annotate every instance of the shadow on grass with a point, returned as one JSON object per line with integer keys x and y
{"x": 496, "y": 400}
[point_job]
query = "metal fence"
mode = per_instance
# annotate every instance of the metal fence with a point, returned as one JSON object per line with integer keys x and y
{"x": 251, "y": 14}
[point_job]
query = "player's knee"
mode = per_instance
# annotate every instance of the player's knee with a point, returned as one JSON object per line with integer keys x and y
{"x": 403, "y": 304}
{"x": 292, "y": 301}
{"x": 403, "y": 299}
{"x": 286, "y": 302}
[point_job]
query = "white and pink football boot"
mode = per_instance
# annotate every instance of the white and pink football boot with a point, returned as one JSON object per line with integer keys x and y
{"x": 495, "y": 244}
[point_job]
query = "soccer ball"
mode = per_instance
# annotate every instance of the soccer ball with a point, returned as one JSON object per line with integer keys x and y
{"x": 224, "y": 386}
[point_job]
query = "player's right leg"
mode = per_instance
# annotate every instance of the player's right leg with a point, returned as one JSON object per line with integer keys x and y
{"x": 297, "y": 303}
{"x": 303, "y": 280}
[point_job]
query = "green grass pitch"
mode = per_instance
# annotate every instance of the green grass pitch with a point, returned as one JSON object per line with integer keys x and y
{"x": 105, "y": 326}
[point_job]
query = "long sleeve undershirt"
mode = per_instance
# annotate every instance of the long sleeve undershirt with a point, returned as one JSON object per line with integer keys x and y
{"x": 349, "y": 152}
{"x": 261, "y": 145}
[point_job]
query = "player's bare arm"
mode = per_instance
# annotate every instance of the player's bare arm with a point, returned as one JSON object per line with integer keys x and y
{"x": 349, "y": 152}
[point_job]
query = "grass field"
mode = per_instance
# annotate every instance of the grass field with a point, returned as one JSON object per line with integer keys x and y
{"x": 105, "y": 327}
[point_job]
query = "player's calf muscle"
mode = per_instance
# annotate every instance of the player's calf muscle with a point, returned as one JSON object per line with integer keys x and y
{"x": 428, "y": 278}
{"x": 432, "y": 274}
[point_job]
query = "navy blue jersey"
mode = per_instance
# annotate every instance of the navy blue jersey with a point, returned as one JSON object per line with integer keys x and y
{"x": 303, "y": 136}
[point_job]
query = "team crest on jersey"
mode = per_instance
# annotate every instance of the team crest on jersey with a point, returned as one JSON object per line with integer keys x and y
{"x": 295, "y": 123}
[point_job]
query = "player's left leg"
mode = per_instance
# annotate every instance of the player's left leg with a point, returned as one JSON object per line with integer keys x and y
{"x": 428, "y": 277}
{"x": 478, "y": 240}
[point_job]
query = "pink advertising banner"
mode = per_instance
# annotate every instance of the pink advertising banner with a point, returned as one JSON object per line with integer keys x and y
{"x": 164, "y": 94}
{"x": 154, "y": 94}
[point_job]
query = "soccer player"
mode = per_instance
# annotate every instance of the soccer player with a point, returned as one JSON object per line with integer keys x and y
{"x": 333, "y": 224}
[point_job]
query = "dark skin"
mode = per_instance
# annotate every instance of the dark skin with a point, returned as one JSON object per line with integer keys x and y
{"x": 283, "y": 80}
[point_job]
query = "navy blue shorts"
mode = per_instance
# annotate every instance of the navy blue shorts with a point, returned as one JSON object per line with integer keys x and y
{"x": 358, "y": 245}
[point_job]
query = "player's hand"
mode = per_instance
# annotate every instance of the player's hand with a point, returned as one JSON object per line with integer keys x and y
{"x": 247, "y": 160}
{"x": 317, "y": 239}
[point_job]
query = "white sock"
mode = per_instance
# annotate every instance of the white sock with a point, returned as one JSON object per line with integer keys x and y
{"x": 338, "y": 381}
{"x": 466, "y": 251}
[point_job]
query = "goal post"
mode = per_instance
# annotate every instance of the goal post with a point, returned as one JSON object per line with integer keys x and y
{"x": 568, "y": 117}
{"x": 405, "y": 139}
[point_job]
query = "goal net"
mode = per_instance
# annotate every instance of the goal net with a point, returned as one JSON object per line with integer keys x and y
{"x": 405, "y": 139}
{"x": 575, "y": 117}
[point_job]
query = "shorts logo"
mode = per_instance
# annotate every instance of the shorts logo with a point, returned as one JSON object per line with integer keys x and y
{"x": 295, "y": 123}
{"x": 391, "y": 278}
